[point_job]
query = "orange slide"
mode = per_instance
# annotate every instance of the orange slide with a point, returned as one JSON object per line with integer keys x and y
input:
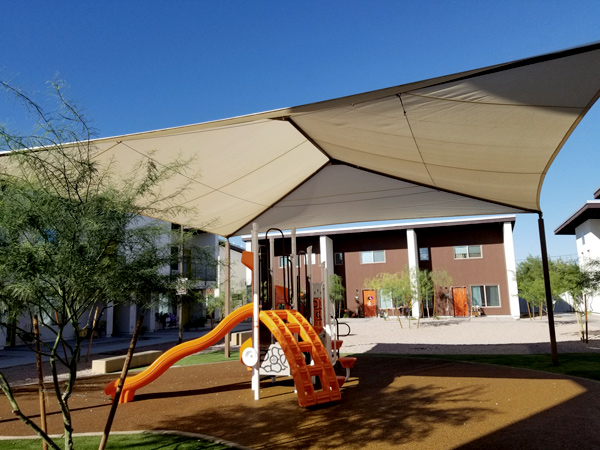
{"x": 176, "y": 353}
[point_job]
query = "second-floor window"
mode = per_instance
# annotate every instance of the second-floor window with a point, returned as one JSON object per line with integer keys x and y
{"x": 467, "y": 251}
{"x": 372, "y": 256}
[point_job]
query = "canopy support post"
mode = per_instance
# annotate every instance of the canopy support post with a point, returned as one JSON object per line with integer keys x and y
{"x": 227, "y": 287}
{"x": 549, "y": 302}
{"x": 255, "y": 316}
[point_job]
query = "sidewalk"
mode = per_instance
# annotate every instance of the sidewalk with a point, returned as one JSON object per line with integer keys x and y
{"x": 21, "y": 355}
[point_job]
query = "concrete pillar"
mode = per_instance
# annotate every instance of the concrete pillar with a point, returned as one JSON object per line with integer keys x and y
{"x": 248, "y": 271}
{"x": 132, "y": 318}
{"x": 511, "y": 270}
{"x": 152, "y": 318}
{"x": 413, "y": 265}
{"x": 326, "y": 250}
{"x": 2, "y": 337}
{"x": 110, "y": 314}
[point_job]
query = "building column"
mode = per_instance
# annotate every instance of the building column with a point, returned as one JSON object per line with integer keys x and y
{"x": 326, "y": 251}
{"x": 152, "y": 318}
{"x": 511, "y": 270}
{"x": 2, "y": 337}
{"x": 132, "y": 318}
{"x": 413, "y": 266}
{"x": 110, "y": 314}
{"x": 248, "y": 271}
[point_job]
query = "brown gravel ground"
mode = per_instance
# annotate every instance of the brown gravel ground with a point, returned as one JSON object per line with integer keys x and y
{"x": 389, "y": 402}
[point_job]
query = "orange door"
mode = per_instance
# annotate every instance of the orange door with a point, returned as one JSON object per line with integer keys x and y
{"x": 461, "y": 308}
{"x": 369, "y": 304}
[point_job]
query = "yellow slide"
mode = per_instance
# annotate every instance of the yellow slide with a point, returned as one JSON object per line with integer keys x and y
{"x": 178, "y": 352}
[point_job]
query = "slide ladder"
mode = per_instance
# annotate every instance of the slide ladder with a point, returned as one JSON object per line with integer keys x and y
{"x": 285, "y": 325}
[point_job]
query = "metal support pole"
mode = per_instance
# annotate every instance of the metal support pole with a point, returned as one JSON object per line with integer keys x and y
{"x": 309, "y": 291}
{"x": 585, "y": 310}
{"x": 227, "y": 288}
{"x": 179, "y": 297}
{"x": 255, "y": 317}
{"x": 549, "y": 302}
{"x": 294, "y": 258}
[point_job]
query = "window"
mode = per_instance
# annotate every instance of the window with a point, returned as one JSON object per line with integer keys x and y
{"x": 187, "y": 261}
{"x": 486, "y": 296}
{"x": 338, "y": 259}
{"x": 299, "y": 258}
{"x": 424, "y": 254}
{"x": 467, "y": 251}
{"x": 283, "y": 260}
{"x": 385, "y": 301}
{"x": 372, "y": 256}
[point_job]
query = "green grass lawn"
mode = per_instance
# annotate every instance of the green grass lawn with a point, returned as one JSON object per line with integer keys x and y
{"x": 124, "y": 441}
{"x": 210, "y": 357}
{"x": 585, "y": 365}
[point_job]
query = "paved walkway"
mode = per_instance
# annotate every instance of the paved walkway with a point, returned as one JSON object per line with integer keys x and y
{"x": 21, "y": 355}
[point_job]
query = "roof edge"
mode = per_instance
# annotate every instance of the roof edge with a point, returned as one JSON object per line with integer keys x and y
{"x": 394, "y": 226}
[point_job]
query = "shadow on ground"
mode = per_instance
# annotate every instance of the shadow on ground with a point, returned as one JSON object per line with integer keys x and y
{"x": 389, "y": 402}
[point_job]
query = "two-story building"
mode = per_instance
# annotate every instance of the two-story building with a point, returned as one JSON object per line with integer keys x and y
{"x": 477, "y": 253}
{"x": 585, "y": 226}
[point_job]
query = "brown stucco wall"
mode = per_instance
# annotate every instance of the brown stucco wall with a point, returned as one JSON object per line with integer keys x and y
{"x": 490, "y": 269}
{"x": 354, "y": 273}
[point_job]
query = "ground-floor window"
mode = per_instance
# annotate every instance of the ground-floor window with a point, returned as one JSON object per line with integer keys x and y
{"x": 385, "y": 301}
{"x": 486, "y": 296}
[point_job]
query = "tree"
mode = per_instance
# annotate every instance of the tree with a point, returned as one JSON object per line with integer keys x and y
{"x": 578, "y": 281}
{"x": 337, "y": 292}
{"x": 425, "y": 290}
{"x": 440, "y": 279}
{"x": 395, "y": 287}
{"x": 72, "y": 236}
{"x": 217, "y": 302}
{"x": 566, "y": 276}
{"x": 530, "y": 282}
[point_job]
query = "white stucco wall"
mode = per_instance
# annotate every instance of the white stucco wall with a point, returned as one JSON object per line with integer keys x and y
{"x": 511, "y": 270}
{"x": 588, "y": 247}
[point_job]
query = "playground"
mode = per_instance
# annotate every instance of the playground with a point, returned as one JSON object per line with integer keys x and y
{"x": 293, "y": 388}
{"x": 389, "y": 402}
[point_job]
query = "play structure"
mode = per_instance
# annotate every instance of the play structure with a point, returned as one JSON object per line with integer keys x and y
{"x": 294, "y": 329}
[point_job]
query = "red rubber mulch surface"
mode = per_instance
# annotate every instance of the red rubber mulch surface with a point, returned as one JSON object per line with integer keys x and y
{"x": 389, "y": 402}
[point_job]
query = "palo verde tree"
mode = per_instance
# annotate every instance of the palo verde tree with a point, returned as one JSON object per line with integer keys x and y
{"x": 424, "y": 290}
{"x": 72, "y": 236}
{"x": 395, "y": 287}
{"x": 565, "y": 277}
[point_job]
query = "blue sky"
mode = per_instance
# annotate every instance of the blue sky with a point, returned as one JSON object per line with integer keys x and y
{"x": 141, "y": 65}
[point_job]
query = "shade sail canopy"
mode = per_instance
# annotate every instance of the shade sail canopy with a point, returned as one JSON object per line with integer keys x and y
{"x": 477, "y": 142}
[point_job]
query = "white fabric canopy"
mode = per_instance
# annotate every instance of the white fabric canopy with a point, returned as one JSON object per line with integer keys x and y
{"x": 477, "y": 142}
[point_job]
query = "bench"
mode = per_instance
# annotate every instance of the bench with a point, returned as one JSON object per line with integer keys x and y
{"x": 115, "y": 363}
{"x": 238, "y": 338}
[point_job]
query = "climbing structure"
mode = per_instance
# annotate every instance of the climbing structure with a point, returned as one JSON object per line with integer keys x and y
{"x": 285, "y": 325}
